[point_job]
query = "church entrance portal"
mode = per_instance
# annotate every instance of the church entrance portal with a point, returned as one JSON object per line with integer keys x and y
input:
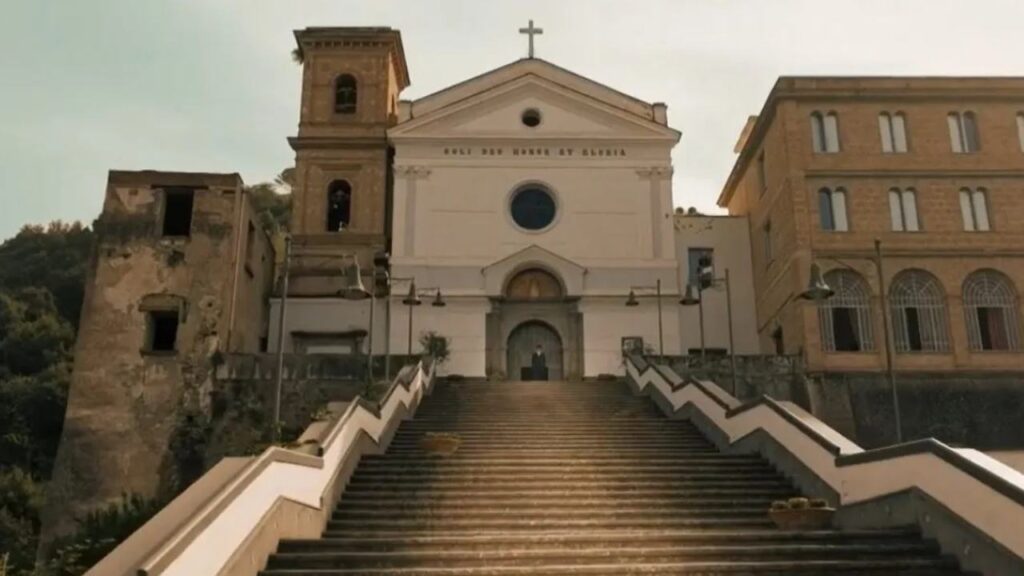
{"x": 522, "y": 344}
{"x": 534, "y": 310}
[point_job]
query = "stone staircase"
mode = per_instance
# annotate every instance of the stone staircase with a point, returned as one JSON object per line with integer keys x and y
{"x": 575, "y": 478}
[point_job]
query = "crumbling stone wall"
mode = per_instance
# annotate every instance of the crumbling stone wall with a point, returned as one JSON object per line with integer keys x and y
{"x": 128, "y": 405}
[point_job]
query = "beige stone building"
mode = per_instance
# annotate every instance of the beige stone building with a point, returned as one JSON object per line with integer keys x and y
{"x": 351, "y": 79}
{"x": 931, "y": 167}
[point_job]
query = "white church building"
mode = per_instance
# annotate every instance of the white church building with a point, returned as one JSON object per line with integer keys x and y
{"x": 535, "y": 201}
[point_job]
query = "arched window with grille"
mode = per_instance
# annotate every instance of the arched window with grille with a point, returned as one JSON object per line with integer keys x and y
{"x": 990, "y": 307}
{"x": 345, "y": 94}
{"x": 845, "y": 318}
{"x": 918, "y": 308}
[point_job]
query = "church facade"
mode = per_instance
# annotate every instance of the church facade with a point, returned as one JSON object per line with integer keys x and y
{"x": 530, "y": 200}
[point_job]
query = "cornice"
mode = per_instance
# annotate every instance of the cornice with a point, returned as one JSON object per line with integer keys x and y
{"x": 410, "y": 171}
{"x": 655, "y": 173}
{"x": 915, "y": 173}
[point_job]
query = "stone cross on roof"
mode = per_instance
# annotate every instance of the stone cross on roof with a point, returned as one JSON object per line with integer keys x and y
{"x": 531, "y": 31}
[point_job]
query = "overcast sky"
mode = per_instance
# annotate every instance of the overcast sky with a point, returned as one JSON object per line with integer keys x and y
{"x": 208, "y": 85}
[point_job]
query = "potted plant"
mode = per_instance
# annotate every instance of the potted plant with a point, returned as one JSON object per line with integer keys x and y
{"x": 802, "y": 514}
{"x": 440, "y": 443}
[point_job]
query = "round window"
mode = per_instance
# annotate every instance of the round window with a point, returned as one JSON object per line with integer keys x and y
{"x": 531, "y": 118}
{"x": 533, "y": 208}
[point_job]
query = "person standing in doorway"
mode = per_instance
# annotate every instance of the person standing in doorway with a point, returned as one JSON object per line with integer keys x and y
{"x": 539, "y": 364}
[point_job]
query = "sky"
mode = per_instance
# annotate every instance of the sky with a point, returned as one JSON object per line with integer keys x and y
{"x": 209, "y": 85}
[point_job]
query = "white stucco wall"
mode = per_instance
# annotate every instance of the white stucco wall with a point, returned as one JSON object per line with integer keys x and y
{"x": 606, "y": 321}
{"x": 729, "y": 237}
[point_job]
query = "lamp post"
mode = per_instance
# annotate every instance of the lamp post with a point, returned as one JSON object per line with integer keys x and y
{"x": 354, "y": 290}
{"x": 412, "y": 299}
{"x": 632, "y": 301}
{"x": 819, "y": 291}
{"x": 275, "y": 432}
{"x": 707, "y": 280}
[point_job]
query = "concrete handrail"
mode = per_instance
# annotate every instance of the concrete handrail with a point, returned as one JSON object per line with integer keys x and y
{"x": 205, "y": 543}
{"x": 980, "y": 491}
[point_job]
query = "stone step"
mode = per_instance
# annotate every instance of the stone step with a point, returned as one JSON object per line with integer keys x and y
{"x": 384, "y": 542}
{"x": 609, "y": 502}
{"x": 453, "y": 471}
{"x": 551, "y": 512}
{"x": 541, "y": 555}
{"x": 877, "y": 567}
{"x": 433, "y": 494}
{"x": 503, "y": 449}
{"x": 363, "y": 484}
{"x": 474, "y": 525}
{"x": 471, "y": 454}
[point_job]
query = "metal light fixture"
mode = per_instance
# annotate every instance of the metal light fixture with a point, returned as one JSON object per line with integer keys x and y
{"x": 631, "y": 300}
{"x": 817, "y": 289}
{"x": 412, "y": 299}
{"x": 353, "y": 288}
{"x": 438, "y": 300}
{"x": 688, "y": 298}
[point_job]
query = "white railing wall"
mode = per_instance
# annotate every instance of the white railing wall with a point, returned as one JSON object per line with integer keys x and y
{"x": 985, "y": 494}
{"x": 207, "y": 541}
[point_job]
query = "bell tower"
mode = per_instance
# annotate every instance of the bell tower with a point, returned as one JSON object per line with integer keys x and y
{"x": 351, "y": 80}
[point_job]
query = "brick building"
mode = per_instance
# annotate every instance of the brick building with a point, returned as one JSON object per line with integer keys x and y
{"x": 931, "y": 167}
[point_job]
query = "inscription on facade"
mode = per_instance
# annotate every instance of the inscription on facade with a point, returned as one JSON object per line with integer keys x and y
{"x": 538, "y": 151}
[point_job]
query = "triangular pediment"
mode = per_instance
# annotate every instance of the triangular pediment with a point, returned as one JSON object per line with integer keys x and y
{"x": 567, "y": 271}
{"x": 571, "y": 108}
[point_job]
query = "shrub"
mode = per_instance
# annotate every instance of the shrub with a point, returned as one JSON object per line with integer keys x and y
{"x": 799, "y": 503}
{"x": 435, "y": 345}
{"x": 99, "y": 532}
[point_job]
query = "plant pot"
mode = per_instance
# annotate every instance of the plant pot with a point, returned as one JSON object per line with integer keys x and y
{"x": 803, "y": 518}
{"x": 440, "y": 444}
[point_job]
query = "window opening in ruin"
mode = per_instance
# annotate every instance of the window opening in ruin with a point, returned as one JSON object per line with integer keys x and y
{"x": 178, "y": 212}
{"x": 163, "y": 331}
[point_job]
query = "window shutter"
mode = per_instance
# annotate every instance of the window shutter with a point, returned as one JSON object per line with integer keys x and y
{"x": 831, "y": 133}
{"x": 895, "y": 210}
{"x": 980, "y": 209}
{"x": 817, "y": 133}
{"x": 839, "y": 209}
{"x": 909, "y": 198}
{"x": 885, "y": 129}
{"x": 899, "y": 133}
{"x": 954, "y": 133}
{"x": 965, "y": 210}
{"x": 1020, "y": 130}
{"x": 970, "y": 133}
{"x": 826, "y": 209}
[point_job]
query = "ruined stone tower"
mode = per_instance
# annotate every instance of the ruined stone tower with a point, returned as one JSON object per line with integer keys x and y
{"x": 180, "y": 274}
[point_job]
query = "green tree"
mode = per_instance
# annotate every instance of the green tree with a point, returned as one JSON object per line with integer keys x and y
{"x": 54, "y": 257}
{"x": 273, "y": 208}
{"x": 20, "y": 502}
{"x": 33, "y": 335}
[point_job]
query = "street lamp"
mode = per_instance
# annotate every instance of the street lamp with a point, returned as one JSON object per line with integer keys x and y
{"x": 631, "y": 301}
{"x": 412, "y": 299}
{"x": 818, "y": 291}
{"x": 352, "y": 290}
{"x": 355, "y": 291}
{"x": 706, "y": 279}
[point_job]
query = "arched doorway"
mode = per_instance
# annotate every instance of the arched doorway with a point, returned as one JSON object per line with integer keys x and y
{"x": 522, "y": 343}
